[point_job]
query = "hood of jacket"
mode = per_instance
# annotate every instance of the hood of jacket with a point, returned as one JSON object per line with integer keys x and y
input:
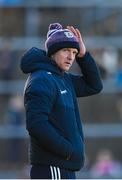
{"x": 36, "y": 59}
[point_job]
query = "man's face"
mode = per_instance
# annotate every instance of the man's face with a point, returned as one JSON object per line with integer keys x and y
{"x": 65, "y": 57}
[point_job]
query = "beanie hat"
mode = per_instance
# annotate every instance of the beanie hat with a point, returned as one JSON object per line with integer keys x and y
{"x": 59, "y": 38}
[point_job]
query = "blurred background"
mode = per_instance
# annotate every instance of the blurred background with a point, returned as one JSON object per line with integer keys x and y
{"x": 24, "y": 24}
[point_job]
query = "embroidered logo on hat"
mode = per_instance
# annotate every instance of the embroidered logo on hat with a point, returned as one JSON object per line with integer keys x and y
{"x": 68, "y": 34}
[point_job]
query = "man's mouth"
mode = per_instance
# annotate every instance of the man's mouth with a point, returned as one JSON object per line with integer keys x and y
{"x": 68, "y": 63}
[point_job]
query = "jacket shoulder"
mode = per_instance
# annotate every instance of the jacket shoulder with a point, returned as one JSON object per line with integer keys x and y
{"x": 41, "y": 81}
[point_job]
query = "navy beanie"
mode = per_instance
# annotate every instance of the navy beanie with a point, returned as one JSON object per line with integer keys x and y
{"x": 59, "y": 38}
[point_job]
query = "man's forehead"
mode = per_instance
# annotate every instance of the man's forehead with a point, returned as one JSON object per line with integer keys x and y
{"x": 71, "y": 49}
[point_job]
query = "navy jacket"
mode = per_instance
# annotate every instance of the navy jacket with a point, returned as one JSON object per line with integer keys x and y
{"x": 52, "y": 115}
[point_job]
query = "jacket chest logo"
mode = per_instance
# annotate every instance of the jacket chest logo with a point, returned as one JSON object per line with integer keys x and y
{"x": 63, "y": 91}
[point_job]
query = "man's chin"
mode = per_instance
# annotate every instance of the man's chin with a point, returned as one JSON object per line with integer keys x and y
{"x": 67, "y": 69}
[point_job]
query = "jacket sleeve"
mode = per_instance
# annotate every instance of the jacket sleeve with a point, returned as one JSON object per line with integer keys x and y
{"x": 90, "y": 82}
{"x": 39, "y": 101}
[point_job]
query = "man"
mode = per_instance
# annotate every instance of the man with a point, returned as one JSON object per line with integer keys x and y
{"x": 52, "y": 116}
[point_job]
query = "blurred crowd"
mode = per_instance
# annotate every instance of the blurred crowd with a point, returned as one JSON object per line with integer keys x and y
{"x": 9, "y": 69}
{"x": 104, "y": 166}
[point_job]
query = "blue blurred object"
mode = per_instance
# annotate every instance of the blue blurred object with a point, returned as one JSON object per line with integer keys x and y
{"x": 10, "y": 2}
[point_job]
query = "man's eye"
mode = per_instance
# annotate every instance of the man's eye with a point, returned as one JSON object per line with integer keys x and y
{"x": 65, "y": 50}
{"x": 75, "y": 53}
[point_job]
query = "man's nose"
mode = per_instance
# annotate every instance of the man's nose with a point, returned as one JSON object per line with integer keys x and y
{"x": 71, "y": 56}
